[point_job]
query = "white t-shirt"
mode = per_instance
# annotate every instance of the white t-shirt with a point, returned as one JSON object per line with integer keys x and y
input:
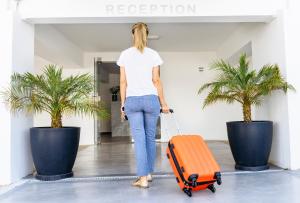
{"x": 138, "y": 70}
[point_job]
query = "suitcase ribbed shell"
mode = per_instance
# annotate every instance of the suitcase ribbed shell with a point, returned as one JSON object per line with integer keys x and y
{"x": 193, "y": 157}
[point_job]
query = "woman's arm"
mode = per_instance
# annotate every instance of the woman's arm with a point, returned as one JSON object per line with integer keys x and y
{"x": 123, "y": 86}
{"x": 158, "y": 84}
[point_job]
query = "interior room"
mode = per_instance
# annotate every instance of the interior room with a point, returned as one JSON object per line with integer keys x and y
{"x": 107, "y": 87}
{"x": 187, "y": 49}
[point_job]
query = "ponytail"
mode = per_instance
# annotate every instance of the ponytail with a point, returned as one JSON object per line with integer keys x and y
{"x": 140, "y": 32}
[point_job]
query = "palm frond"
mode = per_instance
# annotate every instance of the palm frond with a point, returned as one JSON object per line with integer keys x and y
{"x": 52, "y": 93}
{"x": 243, "y": 85}
{"x": 214, "y": 97}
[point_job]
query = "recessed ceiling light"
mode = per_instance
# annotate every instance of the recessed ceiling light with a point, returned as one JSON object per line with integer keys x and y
{"x": 153, "y": 37}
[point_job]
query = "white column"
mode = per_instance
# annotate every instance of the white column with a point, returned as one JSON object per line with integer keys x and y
{"x": 292, "y": 42}
{"x": 17, "y": 54}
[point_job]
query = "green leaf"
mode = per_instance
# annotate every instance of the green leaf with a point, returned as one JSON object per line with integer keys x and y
{"x": 241, "y": 84}
{"x": 51, "y": 93}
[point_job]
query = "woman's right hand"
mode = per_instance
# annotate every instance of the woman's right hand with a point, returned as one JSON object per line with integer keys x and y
{"x": 165, "y": 108}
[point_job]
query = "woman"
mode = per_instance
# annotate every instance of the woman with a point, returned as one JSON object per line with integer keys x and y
{"x": 142, "y": 98}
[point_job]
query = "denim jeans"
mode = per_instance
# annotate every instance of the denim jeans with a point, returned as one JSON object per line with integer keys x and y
{"x": 142, "y": 113}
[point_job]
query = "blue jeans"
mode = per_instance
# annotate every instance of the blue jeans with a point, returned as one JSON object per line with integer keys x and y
{"x": 142, "y": 113}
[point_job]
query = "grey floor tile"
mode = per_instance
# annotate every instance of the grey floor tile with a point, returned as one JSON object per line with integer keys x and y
{"x": 118, "y": 158}
{"x": 273, "y": 187}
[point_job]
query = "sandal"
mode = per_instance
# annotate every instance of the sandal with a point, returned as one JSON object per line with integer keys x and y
{"x": 140, "y": 183}
{"x": 149, "y": 178}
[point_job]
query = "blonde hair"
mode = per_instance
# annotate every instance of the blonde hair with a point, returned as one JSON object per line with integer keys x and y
{"x": 140, "y": 32}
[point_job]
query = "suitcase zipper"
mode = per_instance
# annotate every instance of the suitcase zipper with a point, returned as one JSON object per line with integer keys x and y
{"x": 185, "y": 182}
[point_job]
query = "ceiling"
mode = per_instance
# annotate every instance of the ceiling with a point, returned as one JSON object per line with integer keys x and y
{"x": 173, "y": 36}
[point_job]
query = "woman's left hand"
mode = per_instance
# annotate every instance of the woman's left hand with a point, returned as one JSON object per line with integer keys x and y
{"x": 122, "y": 113}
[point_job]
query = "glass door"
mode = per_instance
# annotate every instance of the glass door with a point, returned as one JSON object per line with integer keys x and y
{"x": 97, "y": 62}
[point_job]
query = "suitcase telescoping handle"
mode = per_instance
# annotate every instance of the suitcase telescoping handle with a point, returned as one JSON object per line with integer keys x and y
{"x": 175, "y": 121}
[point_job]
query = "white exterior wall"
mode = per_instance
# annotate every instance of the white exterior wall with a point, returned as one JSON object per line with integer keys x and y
{"x": 292, "y": 41}
{"x": 17, "y": 51}
{"x": 6, "y": 21}
{"x": 63, "y": 11}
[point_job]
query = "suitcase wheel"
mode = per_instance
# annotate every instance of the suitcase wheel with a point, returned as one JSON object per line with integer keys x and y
{"x": 219, "y": 181}
{"x": 188, "y": 192}
{"x": 212, "y": 188}
{"x": 218, "y": 178}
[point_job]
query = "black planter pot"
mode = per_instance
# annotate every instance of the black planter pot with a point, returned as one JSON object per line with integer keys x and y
{"x": 250, "y": 143}
{"x": 54, "y": 151}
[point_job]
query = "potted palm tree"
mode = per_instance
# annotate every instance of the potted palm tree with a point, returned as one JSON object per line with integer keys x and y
{"x": 54, "y": 148}
{"x": 250, "y": 141}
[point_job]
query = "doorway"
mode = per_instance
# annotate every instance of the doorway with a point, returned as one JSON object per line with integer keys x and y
{"x": 112, "y": 130}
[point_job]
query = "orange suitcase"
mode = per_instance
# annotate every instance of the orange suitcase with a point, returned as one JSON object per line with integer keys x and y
{"x": 194, "y": 165}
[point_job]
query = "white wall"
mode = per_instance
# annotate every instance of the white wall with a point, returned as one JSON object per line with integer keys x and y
{"x": 5, "y": 61}
{"x": 54, "y": 46}
{"x": 86, "y": 123}
{"x": 181, "y": 81}
{"x": 63, "y": 11}
{"x": 267, "y": 47}
{"x": 292, "y": 41}
{"x": 17, "y": 51}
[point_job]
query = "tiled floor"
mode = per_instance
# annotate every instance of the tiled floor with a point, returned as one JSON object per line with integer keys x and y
{"x": 118, "y": 158}
{"x": 272, "y": 187}
{"x": 107, "y": 160}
